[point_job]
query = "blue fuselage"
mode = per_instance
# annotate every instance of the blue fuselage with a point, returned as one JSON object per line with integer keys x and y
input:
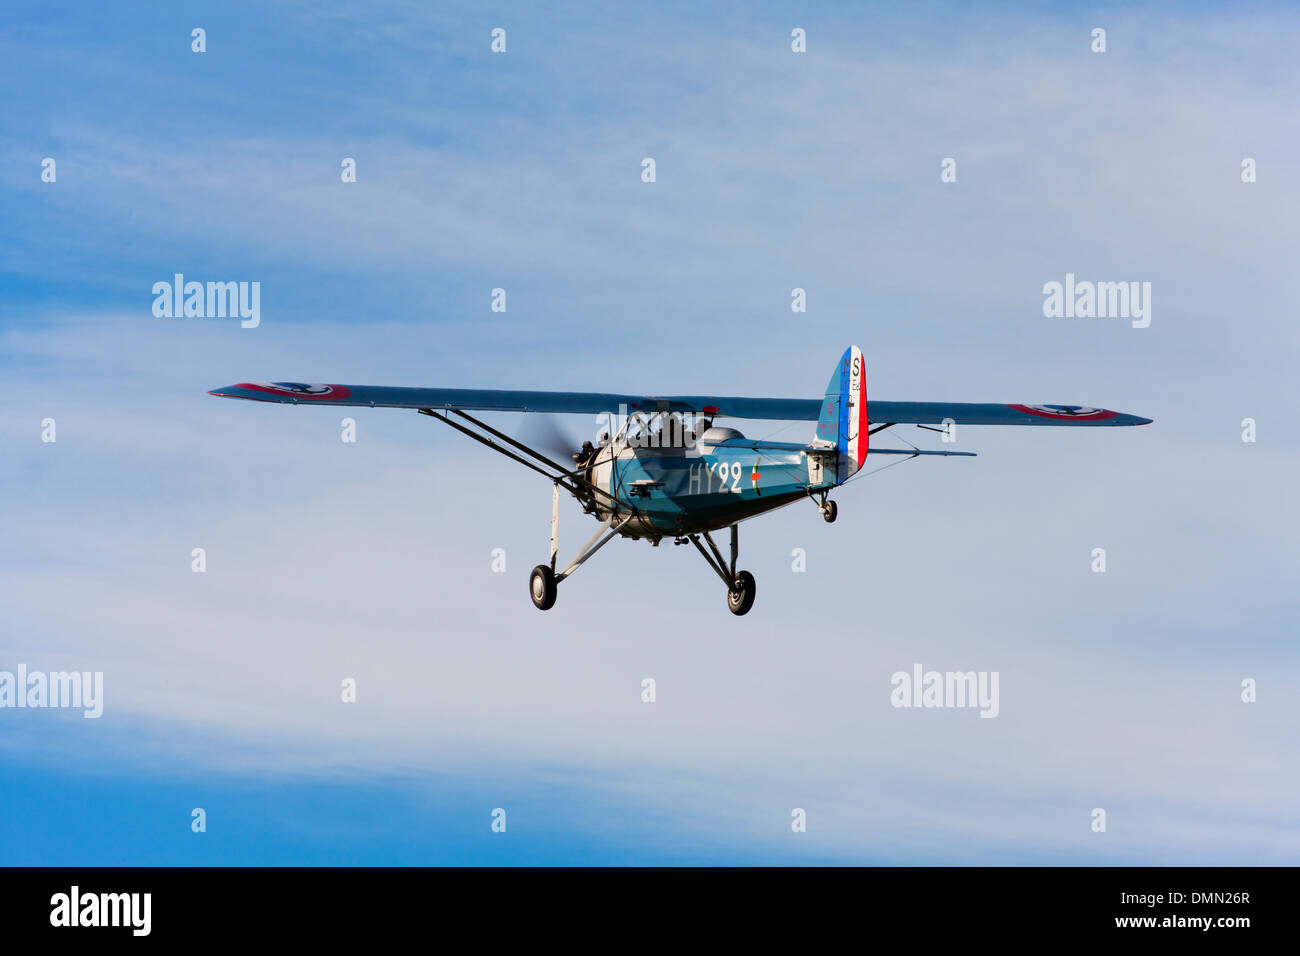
{"x": 676, "y": 491}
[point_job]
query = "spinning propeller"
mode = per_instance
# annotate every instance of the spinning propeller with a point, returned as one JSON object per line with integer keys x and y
{"x": 545, "y": 434}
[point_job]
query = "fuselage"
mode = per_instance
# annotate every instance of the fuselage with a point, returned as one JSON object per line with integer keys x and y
{"x": 704, "y": 485}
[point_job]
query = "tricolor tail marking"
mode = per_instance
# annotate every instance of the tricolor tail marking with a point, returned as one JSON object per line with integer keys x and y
{"x": 854, "y": 436}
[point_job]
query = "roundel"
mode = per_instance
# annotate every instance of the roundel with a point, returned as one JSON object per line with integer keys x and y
{"x": 301, "y": 390}
{"x": 1066, "y": 411}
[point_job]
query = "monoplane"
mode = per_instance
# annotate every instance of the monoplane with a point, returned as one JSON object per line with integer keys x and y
{"x": 664, "y": 468}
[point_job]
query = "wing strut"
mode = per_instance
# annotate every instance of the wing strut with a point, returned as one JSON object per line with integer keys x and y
{"x": 571, "y": 481}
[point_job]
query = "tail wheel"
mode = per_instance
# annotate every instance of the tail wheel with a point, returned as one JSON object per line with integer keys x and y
{"x": 543, "y": 589}
{"x": 830, "y": 512}
{"x": 740, "y": 598}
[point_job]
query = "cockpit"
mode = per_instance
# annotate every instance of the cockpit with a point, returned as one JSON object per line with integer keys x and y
{"x": 662, "y": 430}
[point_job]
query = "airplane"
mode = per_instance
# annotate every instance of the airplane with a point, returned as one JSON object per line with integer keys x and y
{"x": 663, "y": 469}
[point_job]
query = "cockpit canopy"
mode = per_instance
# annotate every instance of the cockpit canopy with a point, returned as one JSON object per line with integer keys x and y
{"x": 719, "y": 433}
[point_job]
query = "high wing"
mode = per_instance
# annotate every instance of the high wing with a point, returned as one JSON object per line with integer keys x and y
{"x": 974, "y": 413}
{"x": 505, "y": 400}
{"x": 593, "y": 403}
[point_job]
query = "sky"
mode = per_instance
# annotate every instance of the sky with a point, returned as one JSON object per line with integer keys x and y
{"x": 372, "y": 561}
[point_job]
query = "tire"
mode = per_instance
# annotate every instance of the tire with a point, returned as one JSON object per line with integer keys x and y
{"x": 741, "y": 596}
{"x": 542, "y": 587}
{"x": 831, "y": 512}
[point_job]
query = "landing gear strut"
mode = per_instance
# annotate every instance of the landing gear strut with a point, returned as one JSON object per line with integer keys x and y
{"x": 829, "y": 510}
{"x": 544, "y": 582}
{"x": 740, "y": 584}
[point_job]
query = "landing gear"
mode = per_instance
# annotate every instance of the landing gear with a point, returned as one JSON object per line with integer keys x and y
{"x": 544, "y": 583}
{"x": 740, "y": 584}
{"x": 741, "y": 596}
{"x": 827, "y": 508}
{"x": 542, "y": 587}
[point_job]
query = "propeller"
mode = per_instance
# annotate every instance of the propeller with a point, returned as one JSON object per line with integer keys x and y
{"x": 543, "y": 432}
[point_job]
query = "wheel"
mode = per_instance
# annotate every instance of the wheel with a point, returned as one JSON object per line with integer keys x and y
{"x": 542, "y": 587}
{"x": 741, "y": 596}
{"x": 831, "y": 512}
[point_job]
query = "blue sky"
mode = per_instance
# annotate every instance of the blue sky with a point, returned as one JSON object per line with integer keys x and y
{"x": 522, "y": 171}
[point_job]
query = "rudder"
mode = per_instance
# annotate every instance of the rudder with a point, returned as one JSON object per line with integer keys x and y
{"x": 843, "y": 421}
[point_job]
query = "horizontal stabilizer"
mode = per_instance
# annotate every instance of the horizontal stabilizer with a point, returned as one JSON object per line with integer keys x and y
{"x": 917, "y": 451}
{"x": 785, "y": 448}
